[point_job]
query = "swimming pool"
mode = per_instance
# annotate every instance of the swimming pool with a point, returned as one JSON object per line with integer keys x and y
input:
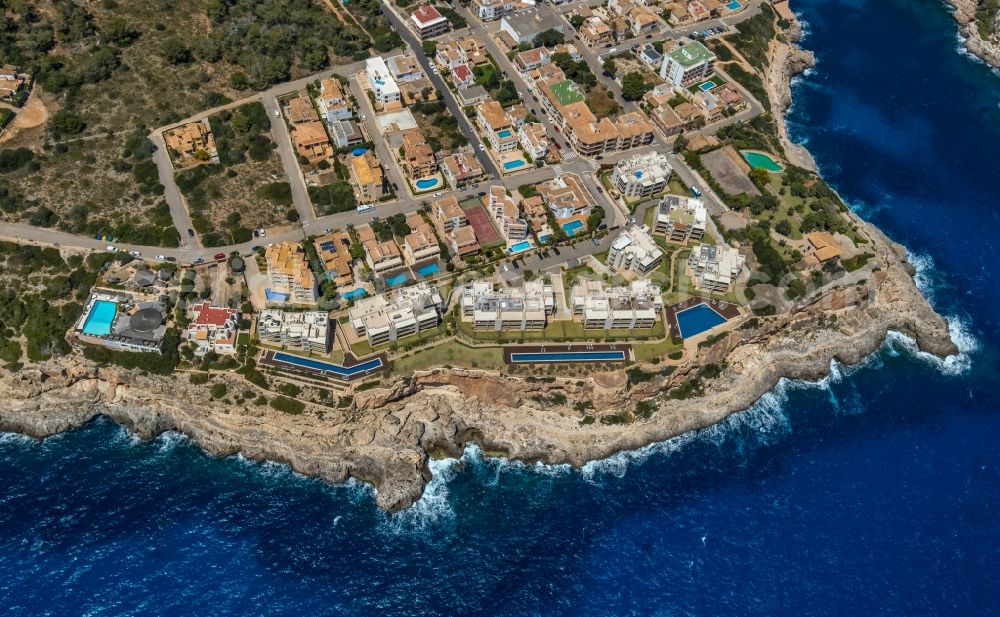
{"x": 545, "y": 238}
{"x": 276, "y": 296}
{"x": 571, "y": 227}
{"x": 697, "y": 319}
{"x": 428, "y": 270}
{"x": 519, "y": 247}
{"x": 734, "y": 5}
{"x": 509, "y": 165}
{"x": 568, "y": 356}
{"x": 396, "y": 279}
{"x": 708, "y": 85}
{"x": 427, "y": 183}
{"x": 354, "y": 293}
{"x": 327, "y": 367}
{"x": 100, "y": 318}
{"x": 504, "y": 134}
{"x": 759, "y": 160}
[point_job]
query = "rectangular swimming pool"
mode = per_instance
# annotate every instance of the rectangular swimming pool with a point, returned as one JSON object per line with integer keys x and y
{"x": 734, "y": 5}
{"x": 354, "y": 293}
{"x": 697, "y": 319}
{"x": 276, "y": 296}
{"x": 328, "y": 367}
{"x": 571, "y": 227}
{"x": 396, "y": 279}
{"x": 513, "y": 164}
{"x": 708, "y": 85}
{"x": 504, "y": 134}
{"x": 100, "y": 318}
{"x": 428, "y": 270}
{"x": 568, "y": 356}
{"x": 519, "y": 247}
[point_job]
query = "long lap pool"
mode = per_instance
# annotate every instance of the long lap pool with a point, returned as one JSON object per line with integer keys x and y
{"x": 567, "y": 356}
{"x": 327, "y": 367}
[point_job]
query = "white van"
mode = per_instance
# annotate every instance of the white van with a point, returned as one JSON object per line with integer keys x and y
{"x": 366, "y": 208}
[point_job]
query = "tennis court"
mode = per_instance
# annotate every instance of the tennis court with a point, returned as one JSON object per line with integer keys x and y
{"x": 480, "y": 222}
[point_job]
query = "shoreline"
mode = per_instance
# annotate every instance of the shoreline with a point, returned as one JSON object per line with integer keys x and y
{"x": 964, "y": 12}
{"x": 387, "y": 435}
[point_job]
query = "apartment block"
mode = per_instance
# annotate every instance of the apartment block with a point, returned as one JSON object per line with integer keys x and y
{"x": 380, "y": 256}
{"x": 534, "y": 139}
{"x": 490, "y": 10}
{"x": 288, "y": 273}
{"x": 367, "y": 178}
{"x": 381, "y": 82}
{"x": 683, "y": 66}
{"x": 428, "y": 21}
{"x": 641, "y": 175}
{"x": 496, "y": 126}
{"x": 449, "y": 213}
{"x": 420, "y": 244}
{"x": 635, "y": 251}
{"x": 334, "y": 250}
{"x": 520, "y": 309}
{"x": 636, "y": 306}
{"x": 505, "y": 213}
{"x": 714, "y": 268}
{"x": 418, "y": 157}
{"x": 404, "y": 312}
{"x": 680, "y": 218}
{"x": 310, "y": 331}
{"x": 333, "y": 104}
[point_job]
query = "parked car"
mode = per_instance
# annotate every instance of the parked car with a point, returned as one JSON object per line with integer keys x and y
{"x": 160, "y": 258}
{"x": 482, "y": 148}
{"x": 171, "y": 259}
{"x": 555, "y": 250}
{"x": 256, "y": 248}
{"x": 190, "y": 233}
{"x": 514, "y": 263}
{"x": 277, "y": 114}
{"x": 438, "y": 194}
{"x": 261, "y": 233}
{"x": 198, "y": 260}
{"x": 111, "y": 248}
{"x": 506, "y": 268}
{"x": 219, "y": 256}
{"x": 695, "y": 191}
{"x": 135, "y": 254}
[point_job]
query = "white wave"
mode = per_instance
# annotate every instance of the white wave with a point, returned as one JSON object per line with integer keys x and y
{"x": 16, "y": 439}
{"x": 962, "y": 50}
{"x": 169, "y": 440}
{"x": 433, "y": 509}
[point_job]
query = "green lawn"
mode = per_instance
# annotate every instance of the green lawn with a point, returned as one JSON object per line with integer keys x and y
{"x": 648, "y": 351}
{"x": 561, "y": 331}
{"x": 451, "y": 353}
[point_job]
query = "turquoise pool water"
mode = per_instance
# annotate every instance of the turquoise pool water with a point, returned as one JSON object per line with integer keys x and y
{"x": 759, "y": 160}
{"x": 504, "y": 134}
{"x": 734, "y": 5}
{"x": 428, "y": 270}
{"x": 568, "y": 356}
{"x": 101, "y": 316}
{"x": 396, "y": 279}
{"x": 513, "y": 164}
{"x": 276, "y": 296}
{"x": 545, "y": 238}
{"x": 427, "y": 183}
{"x": 697, "y": 319}
{"x": 519, "y": 247}
{"x": 571, "y": 227}
{"x": 336, "y": 369}
{"x": 708, "y": 85}
{"x": 354, "y": 293}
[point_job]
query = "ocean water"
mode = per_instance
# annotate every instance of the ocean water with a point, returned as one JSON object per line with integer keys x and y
{"x": 875, "y": 491}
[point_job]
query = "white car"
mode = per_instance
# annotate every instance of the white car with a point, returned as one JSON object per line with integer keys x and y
{"x": 135, "y": 254}
{"x": 111, "y": 248}
{"x": 161, "y": 257}
{"x": 482, "y": 148}
{"x": 277, "y": 114}
{"x": 438, "y": 194}
{"x": 261, "y": 233}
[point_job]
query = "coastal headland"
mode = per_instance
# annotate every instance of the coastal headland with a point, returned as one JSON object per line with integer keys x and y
{"x": 387, "y": 434}
{"x": 973, "y": 22}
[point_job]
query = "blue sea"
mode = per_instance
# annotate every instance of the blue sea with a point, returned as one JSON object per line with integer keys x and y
{"x": 873, "y": 492}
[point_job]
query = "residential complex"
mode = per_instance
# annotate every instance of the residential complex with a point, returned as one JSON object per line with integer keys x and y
{"x": 449, "y": 213}
{"x": 289, "y": 277}
{"x": 680, "y": 218}
{"x": 635, "y": 251}
{"x": 389, "y": 317}
{"x": 310, "y": 331}
{"x": 639, "y": 305}
{"x": 533, "y": 139}
{"x": 521, "y": 309}
{"x": 683, "y": 66}
{"x": 642, "y": 175}
{"x": 420, "y": 244}
{"x": 566, "y": 196}
{"x": 489, "y": 10}
{"x": 714, "y": 268}
{"x": 213, "y": 328}
{"x": 123, "y": 321}
{"x": 428, "y": 21}
{"x": 505, "y": 213}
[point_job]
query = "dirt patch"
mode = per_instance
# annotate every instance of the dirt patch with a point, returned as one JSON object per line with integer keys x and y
{"x": 34, "y": 114}
{"x": 730, "y": 175}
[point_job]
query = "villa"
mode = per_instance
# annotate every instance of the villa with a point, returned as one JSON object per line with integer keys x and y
{"x": 566, "y": 196}
{"x": 408, "y": 311}
{"x": 536, "y": 213}
{"x": 520, "y": 309}
{"x": 380, "y": 256}
{"x": 642, "y": 175}
{"x": 381, "y": 83}
{"x": 418, "y": 157}
{"x": 496, "y": 126}
{"x": 532, "y": 59}
{"x": 461, "y": 167}
{"x": 310, "y": 331}
{"x": 289, "y": 277}
{"x": 311, "y": 141}
{"x": 635, "y": 252}
{"x": 192, "y": 140}
{"x": 683, "y": 66}
{"x": 650, "y": 57}
{"x": 821, "y": 247}
{"x": 680, "y": 218}
{"x": 346, "y": 133}
{"x": 332, "y": 103}
{"x": 334, "y": 251}
{"x": 463, "y": 76}
{"x": 300, "y": 109}
{"x": 367, "y": 178}
{"x": 595, "y": 32}
{"x": 428, "y": 21}
{"x": 637, "y": 306}
{"x": 213, "y": 329}
{"x": 715, "y": 267}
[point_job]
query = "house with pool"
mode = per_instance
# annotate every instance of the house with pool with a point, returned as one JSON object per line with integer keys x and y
{"x": 381, "y": 256}
{"x": 123, "y": 321}
{"x": 496, "y": 126}
{"x": 212, "y": 328}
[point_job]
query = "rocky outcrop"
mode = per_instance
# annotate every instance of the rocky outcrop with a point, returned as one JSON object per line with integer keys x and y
{"x": 786, "y": 60}
{"x": 965, "y": 14}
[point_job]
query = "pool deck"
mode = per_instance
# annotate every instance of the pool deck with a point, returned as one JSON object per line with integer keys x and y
{"x": 726, "y": 309}
{"x": 563, "y": 348}
{"x": 266, "y": 358}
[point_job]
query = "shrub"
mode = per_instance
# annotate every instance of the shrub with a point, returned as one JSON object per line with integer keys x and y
{"x": 288, "y": 405}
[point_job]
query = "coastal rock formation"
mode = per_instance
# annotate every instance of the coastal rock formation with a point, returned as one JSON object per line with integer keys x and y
{"x": 965, "y": 14}
{"x": 786, "y": 60}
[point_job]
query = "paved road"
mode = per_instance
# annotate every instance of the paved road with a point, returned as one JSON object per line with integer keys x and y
{"x": 463, "y": 122}
{"x": 289, "y": 159}
{"x": 385, "y": 157}
{"x": 178, "y": 207}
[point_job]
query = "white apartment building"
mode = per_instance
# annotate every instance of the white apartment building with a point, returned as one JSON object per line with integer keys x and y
{"x": 683, "y": 66}
{"x": 534, "y": 139}
{"x": 404, "y": 68}
{"x": 380, "y": 81}
{"x": 309, "y": 331}
{"x": 635, "y": 251}
{"x": 641, "y": 175}
{"x": 505, "y": 212}
{"x": 680, "y": 218}
{"x": 489, "y": 10}
{"x": 639, "y": 305}
{"x": 714, "y": 268}
{"x": 408, "y": 311}
{"x": 521, "y": 309}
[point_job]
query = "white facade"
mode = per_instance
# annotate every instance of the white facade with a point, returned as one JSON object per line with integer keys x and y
{"x": 715, "y": 267}
{"x": 380, "y": 81}
{"x": 680, "y": 218}
{"x": 520, "y": 309}
{"x": 639, "y": 305}
{"x": 635, "y": 251}
{"x": 408, "y": 311}
{"x": 309, "y": 331}
{"x": 641, "y": 175}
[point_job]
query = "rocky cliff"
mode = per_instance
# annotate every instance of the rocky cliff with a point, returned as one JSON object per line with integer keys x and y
{"x": 988, "y": 49}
